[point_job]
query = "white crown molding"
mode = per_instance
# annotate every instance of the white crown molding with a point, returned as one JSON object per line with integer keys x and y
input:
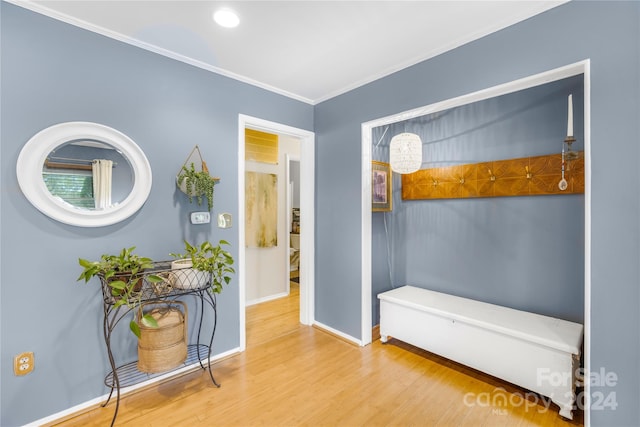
{"x": 523, "y": 14}
{"x": 535, "y": 9}
{"x": 43, "y": 10}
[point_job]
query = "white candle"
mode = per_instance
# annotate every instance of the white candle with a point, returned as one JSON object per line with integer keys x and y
{"x": 570, "y": 117}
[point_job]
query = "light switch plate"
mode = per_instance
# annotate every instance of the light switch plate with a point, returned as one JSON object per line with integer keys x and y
{"x": 224, "y": 220}
{"x": 200, "y": 218}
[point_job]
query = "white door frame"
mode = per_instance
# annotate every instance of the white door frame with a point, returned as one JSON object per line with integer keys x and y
{"x": 307, "y": 215}
{"x": 582, "y": 67}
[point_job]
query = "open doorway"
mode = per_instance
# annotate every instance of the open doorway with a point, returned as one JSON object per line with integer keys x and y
{"x": 293, "y": 220}
{"x": 306, "y": 266}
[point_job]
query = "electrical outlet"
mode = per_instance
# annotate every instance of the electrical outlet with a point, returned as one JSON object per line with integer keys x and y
{"x": 23, "y": 363}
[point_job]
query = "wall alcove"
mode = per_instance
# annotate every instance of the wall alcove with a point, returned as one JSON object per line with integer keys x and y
{"x": 442, "y": 151}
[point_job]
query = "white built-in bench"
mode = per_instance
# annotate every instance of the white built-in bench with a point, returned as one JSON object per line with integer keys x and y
{"x": 533, "y": 351}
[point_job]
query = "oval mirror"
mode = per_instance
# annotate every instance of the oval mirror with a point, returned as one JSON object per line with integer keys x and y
{"x": 84, "y": 174}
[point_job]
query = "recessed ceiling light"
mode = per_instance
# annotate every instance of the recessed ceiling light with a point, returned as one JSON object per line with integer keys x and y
{"x": 226, "y": 18}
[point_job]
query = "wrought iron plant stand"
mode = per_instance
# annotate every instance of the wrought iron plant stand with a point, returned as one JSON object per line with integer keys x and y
{"x": 128, "y": 374}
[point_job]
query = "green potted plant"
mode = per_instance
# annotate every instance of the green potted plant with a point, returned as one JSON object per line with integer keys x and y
{"x": 203, "y": 261}
{"x": 122, "y": 274}
{"x": 198, "y": 184}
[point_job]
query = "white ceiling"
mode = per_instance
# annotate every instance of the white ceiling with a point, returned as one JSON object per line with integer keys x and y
{"x": 307, "y": 50}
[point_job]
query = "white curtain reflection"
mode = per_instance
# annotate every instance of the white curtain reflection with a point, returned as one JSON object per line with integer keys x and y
{"x": 102, "y": 171}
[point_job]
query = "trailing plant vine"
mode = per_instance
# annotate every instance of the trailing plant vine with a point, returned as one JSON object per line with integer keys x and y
{"x": 198, "y": 184}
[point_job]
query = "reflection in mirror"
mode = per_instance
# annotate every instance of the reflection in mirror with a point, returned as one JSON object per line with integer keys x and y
{"x": 56, "y": 173}
{"x": 68, "y": 173}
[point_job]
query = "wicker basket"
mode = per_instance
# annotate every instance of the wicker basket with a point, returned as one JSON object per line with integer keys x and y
{"x": 165, "y": 347}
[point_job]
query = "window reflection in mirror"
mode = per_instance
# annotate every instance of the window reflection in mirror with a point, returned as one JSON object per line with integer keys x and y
{"x": 67, "y": 172}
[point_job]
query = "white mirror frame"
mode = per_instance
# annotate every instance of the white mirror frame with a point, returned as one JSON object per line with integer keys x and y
{"x": 36, "y": 150}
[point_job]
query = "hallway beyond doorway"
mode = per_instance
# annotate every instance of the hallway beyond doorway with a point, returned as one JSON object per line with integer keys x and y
{"x": 275, "y": 318}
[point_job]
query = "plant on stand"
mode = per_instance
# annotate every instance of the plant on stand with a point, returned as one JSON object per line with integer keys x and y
{"x": 213, "y": 260}
{"x": 122, "y": 275}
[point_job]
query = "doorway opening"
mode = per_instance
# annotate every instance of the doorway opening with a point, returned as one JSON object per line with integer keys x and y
{"x": 293, "y": 218}
{"x": 306, "y": 265}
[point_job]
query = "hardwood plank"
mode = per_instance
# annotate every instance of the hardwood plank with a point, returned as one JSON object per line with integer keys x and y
{"x": 295, "y": 375}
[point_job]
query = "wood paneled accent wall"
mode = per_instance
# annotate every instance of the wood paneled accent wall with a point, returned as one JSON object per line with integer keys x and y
{"x": 527, "y": 176}
{"x": 261, "y": 146}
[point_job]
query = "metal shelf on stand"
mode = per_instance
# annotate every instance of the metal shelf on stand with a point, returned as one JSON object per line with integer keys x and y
{"x": 128, "y": 374}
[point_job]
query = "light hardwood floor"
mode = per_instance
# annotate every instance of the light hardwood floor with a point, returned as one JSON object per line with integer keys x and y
{"x": 294, "y": 375}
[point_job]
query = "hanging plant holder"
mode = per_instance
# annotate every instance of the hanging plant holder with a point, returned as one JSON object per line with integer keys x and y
{"x": 194, "y": 180}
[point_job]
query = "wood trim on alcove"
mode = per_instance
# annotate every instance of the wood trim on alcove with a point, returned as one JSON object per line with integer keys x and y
{"x": 526, "y": 176}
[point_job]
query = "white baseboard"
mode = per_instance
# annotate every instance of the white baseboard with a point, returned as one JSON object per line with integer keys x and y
{"x": 126, "y": 390}
{"x": 338, "y": 333}
{"x": 265, "y": 299}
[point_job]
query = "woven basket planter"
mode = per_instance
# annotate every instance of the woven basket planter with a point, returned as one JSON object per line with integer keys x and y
{"x": 165, "y": 347}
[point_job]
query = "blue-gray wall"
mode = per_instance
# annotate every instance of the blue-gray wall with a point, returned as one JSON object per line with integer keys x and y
{"x": 521, "y": 252}
{"x": 51, "y": 73}
{"x": 605, "y": 32}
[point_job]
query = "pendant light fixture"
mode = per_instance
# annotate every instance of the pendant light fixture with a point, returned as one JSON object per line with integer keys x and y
{"x": 405, "y": 153}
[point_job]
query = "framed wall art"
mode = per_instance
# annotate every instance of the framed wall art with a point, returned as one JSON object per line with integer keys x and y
{"x": 261, "y": 210}
{"x": 381, "y": 186}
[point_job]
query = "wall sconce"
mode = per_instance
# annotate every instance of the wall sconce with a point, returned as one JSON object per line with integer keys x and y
{"x": 405, "y": 153}
{"x": 569, "y": 140}
{"x": 570, "y": 155}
